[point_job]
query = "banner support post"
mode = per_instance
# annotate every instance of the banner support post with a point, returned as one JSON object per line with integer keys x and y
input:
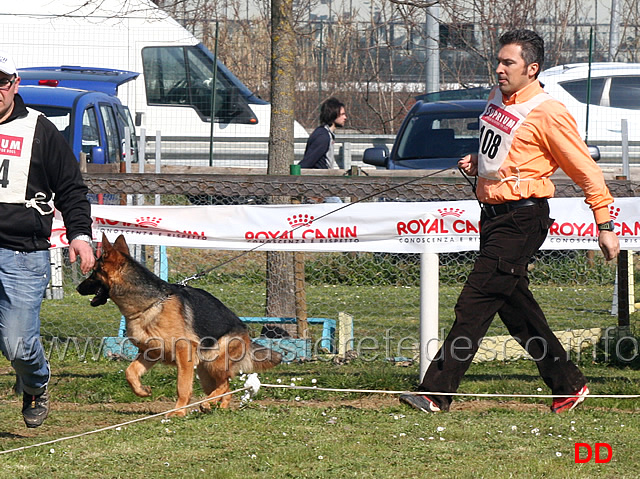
{"x": 429, "y": 289}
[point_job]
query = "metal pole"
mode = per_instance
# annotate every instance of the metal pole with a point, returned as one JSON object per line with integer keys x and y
{"x": 586, "y": 126}
{"x": 614, "y": 30}
{"x": 432, "y": 60}
{"x": 213, "y": 94}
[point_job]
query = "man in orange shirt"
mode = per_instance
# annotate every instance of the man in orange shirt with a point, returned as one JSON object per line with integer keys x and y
{"x": 525, "y": 136}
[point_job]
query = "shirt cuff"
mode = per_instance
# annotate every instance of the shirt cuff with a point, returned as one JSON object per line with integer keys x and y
{"x": 602, "y": 215}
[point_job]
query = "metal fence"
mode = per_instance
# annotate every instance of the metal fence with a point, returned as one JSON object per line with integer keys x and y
{"x": 380, "y": 291}
{"x": 348, "y": 150}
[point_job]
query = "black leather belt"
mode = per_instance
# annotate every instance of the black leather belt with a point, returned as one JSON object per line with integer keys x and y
{"x": 494, "y": 210}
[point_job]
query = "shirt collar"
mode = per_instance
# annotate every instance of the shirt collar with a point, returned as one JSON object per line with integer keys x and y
{"x": 525, "y": 94}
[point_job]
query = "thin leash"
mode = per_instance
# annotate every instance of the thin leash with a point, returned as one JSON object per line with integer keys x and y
{"x": 346, "y": 205}
{"x": 115, "y": 426}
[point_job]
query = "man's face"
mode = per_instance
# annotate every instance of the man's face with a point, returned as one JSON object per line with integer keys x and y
{"x": 342, "y": 118}
{"x": 7, "y": 93}
{"x": 513, "y": 73}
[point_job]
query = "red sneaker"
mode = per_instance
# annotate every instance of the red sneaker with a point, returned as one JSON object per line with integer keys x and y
{"x": 419, "y": 402}
{"x": 564, "y": 404}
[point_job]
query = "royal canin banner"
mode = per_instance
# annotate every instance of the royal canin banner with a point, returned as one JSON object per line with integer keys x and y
{"x": 435, "y": 227}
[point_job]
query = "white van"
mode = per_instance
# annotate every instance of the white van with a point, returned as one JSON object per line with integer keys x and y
{"x": 172, "y": 94}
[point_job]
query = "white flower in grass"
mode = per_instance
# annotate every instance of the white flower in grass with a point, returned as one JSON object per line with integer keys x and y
{"x": 440, "y": 428}
{"x": 52, "y": 451}
{"x": 558, "y": 454}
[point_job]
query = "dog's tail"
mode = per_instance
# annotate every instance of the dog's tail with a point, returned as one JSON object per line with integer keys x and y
{"x": 240, "y": 353}
{"x": 262, "y": 357}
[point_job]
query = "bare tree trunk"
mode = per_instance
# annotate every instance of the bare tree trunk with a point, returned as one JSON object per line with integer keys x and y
{"x": 280, "y": 277}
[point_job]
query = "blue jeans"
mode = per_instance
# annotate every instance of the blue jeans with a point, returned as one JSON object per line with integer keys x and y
{"x": 23, "y": 280}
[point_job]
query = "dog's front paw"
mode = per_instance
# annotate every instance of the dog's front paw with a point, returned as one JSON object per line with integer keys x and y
{"x": 142, "y": 391}
{"x": 180, "y": 413}
{"x": 205, "y": 407}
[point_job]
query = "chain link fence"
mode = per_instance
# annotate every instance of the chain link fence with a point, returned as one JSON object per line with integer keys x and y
{"x": 379, "y": 291}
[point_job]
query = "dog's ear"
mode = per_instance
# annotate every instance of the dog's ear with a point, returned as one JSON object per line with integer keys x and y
{"x": 121, "y": 245}
{"x": 105, "y": 242}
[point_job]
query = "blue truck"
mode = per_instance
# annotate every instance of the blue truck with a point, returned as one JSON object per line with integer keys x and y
{"x": 85, "y": 110}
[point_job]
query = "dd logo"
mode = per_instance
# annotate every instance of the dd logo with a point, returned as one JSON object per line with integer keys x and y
{"x": 597, "y": 447}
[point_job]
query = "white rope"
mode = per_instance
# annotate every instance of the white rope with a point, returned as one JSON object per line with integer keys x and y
{"x": 252, "y": 385}
{"x": 428, "y": 393}
{"x": 248, "y": 388}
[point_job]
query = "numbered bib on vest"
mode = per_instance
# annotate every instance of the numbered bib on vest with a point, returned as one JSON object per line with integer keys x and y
{"x": 16, "y": 142}
{"x": 498, "y": 126}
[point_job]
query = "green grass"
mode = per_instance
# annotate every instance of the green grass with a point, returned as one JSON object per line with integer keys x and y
{"x": 315, "y": 434}
{"x": 375, "y": 309}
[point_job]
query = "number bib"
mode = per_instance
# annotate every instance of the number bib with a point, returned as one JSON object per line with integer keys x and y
{"x": 498, "y": 126}
{"x": 16, "y": 141}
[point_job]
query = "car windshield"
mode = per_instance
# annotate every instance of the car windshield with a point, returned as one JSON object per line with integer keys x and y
{"x": 447, "y": 135}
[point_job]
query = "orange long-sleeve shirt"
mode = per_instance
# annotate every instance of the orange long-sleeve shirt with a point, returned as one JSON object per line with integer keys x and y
{"x": 548, "y": 139}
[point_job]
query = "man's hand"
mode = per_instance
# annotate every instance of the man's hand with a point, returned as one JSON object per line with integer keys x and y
{"x": 81, "y": 248}
{"x": 469, "y": 164}
{"x": 609, "y": 244}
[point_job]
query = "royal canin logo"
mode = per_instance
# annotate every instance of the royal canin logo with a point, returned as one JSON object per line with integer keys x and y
{"x": 297, "y": 221}
{"x": 302, "y": 229}
{"x": 148, "y": 221}
{"x": 10, "y": 145}
{"x": 449, "y": 222}
{"x": 590, "y": 229}
{"x": 457, "y": 212}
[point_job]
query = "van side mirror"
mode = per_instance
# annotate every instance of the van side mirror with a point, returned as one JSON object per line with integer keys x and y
{"x": 594, "y": 151}
{"x": 97, "y": 155}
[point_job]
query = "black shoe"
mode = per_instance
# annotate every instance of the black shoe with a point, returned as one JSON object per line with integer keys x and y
{"x": 35, "y": 409}
{"x": 422, "y": 403}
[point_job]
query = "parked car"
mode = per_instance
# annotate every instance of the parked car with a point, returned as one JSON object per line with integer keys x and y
{"x": 433, "y": 136}
{"x": 614, "y": 95}
{"x": 92, "y": 122}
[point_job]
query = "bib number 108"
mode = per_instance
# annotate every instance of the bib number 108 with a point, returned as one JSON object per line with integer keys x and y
{"x": 489, "y": 142}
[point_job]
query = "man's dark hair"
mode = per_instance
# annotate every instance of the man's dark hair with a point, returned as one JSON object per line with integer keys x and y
{"x": 531, "y": 43}
{"x": 329, "y": 111}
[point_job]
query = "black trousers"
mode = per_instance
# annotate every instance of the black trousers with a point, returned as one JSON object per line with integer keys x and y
{"x": 499, "y": 284}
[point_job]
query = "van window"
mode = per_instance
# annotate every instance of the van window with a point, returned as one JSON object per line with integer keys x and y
{"x": 59, "y": 116}
{"x": 578, "y": 90}
{"x": 625, "y": 92}
{"x": 124, "y": 115}
{"x": 90, "y": 133}
{"x": 114, "y": 152}
{"x": 184, "y": 76}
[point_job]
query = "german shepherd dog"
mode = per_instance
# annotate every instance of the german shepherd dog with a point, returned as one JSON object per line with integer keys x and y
{"x": 174, "y": 324}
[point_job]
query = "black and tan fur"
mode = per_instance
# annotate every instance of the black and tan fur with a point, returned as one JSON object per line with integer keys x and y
{"x": 176, "y": 325}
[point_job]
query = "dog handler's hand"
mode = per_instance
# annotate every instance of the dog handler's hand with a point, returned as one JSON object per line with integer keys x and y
{"x": 469, "y": 164}
{"x": 609, "y": 244}
{"x": 81, "y": 248}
